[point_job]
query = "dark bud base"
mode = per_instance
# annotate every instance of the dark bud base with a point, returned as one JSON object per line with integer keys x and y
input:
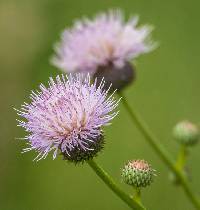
{"x": 119, "y": 77}
{"x": 78, "y": 155}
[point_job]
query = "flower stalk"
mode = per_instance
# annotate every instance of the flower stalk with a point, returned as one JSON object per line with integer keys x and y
{"x": 180, "y": 164}
{"x": 181, "y": 159}
{"x": 160, "y": 150}
{"x": 107, "y": 179}
{"x": 137, "y": 195}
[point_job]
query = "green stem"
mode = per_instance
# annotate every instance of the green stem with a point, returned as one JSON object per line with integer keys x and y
{"x": 112, "y": 185}
{"x": 137, "y": 195}
{"x": 160, "y": 150}
{"x": 180, "y": 164}
{"x": 181, "y": 159}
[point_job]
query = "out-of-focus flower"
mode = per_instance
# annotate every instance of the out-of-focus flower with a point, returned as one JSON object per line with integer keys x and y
{"x": 137, "y": 173}
{"x": 186, "y": 133}
{"x": 68, "y": 116}
{"x": 103, "y": 46}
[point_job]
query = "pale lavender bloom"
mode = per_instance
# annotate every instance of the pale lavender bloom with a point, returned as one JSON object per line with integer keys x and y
{"x": 90, "y": 44}
{"x": 68, "y": 114}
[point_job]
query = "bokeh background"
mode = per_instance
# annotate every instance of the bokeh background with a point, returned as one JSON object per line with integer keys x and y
{"x": 166, "y": 91}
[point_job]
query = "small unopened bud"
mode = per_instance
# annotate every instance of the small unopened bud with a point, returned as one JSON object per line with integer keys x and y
{"x": 138, "y": 173}
{"x": 79, "y": 154}
{"x": 186, "y": 133}
{"x": 119, "y": 77}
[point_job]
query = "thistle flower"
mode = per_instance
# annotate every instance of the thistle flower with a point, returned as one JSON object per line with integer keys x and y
{"x": 103, "y": 47}
{"x": 67, "y": 116}
{"x": 186, "y": 133}
{"x": 138, "y": 173}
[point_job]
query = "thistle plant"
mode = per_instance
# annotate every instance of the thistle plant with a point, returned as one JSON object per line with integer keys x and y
{"x": 68, "y": 116}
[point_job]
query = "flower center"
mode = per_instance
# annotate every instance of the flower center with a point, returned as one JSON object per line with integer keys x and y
{"x": 139, "y": 164}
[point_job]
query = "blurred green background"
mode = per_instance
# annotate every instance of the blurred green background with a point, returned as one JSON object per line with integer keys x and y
{"x": 166, "y": 91}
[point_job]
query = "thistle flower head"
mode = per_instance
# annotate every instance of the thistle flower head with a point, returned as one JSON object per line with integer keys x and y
{"x": 106, "y": 40}
{"x": 137, "y": 173}
{"x": 67, "y": 116}
{"x": 186, "y": 133}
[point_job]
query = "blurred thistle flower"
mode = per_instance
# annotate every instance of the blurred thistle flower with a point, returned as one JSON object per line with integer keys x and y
{"x": 103, "y": 47}
{"x": 68, "y": 116}
{"x": 186, "y": 133}
{"x": 138, "y": 173}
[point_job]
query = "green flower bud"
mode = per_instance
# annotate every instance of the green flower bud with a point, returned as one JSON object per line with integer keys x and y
{"x": 186, "y": 133}
{"x": 138, "y": 173}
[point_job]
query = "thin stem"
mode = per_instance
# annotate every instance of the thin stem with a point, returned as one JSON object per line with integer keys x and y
{"x": 113, "y": 186}
{"x": 137, "y": 195}
{"x": 180, "y": 163}
{"x": 181, "y": 159}
{"x": 160, "y": 150}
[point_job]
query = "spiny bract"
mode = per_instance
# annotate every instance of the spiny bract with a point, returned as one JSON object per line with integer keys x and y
{"x": 137, "y": 173}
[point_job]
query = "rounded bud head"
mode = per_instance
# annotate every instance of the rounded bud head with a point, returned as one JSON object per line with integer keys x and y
{"x": 79, "y": 155}
{"x": 137, "y": 173}
{"x": 119, "y": 77}
{"x": 186, "y": 133}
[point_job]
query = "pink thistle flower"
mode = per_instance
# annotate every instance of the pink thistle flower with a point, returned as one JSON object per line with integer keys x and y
{"x": 108, "y": 39}
{"x": 67, "y": 116}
